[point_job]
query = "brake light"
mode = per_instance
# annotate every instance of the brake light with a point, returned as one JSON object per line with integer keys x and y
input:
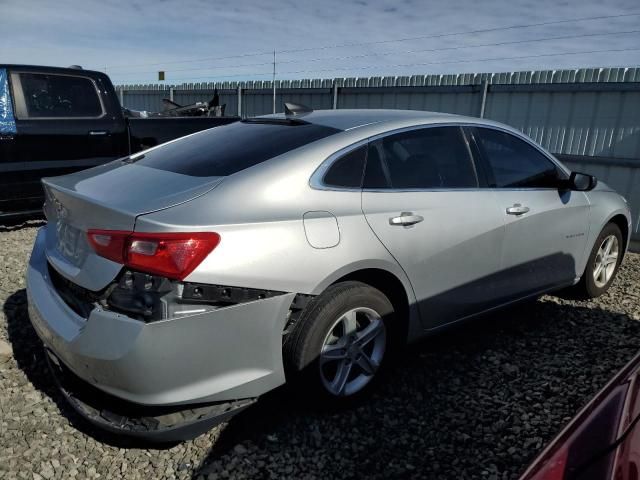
{"x": 108, "y": 243}
{"x": 172, "y": 255}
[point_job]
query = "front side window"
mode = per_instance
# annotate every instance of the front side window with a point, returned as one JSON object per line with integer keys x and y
{"x": 52, "y": 96}
{"x": 514, "y": 163}
{"x": 435, "y": 157}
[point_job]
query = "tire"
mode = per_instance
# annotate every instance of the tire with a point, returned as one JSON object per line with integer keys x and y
{"x": 593, "y": 284}
{"x": 341, "y": 343}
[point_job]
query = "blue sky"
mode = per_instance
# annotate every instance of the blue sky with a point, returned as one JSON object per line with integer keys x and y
{"x": 199, "y": 40}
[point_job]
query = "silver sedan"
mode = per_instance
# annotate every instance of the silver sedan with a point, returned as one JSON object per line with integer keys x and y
{"x": 307, "y": 247}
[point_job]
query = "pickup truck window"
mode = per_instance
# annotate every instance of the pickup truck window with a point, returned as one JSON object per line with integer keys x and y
{"x": 59, "y": 96}
{"x": 223, "y": 151}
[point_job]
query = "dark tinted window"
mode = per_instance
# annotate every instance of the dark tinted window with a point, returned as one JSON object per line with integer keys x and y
{"x": 374, "y": 176}
{"x": 426, "y": 158}
{"x": 225, "y": 150}
{"x": 59, "y": 96}
{"x": 514, "y": 163}
{"x": 347, "y": 170}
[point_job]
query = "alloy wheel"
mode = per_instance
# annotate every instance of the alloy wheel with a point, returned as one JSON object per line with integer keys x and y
{"x": 352, "y": 351}
{"x": 606, "y": 261}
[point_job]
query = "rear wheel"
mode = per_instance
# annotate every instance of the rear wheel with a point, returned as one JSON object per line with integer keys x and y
{"x": 602, "y": 265}
{"x": 341, "y": 342}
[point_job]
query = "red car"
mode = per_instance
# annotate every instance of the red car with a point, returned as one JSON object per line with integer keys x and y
{"x": 603, "y": 440}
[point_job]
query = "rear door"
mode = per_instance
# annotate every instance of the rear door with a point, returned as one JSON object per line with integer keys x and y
{"x": 546, "y": 224}
{"x": 422, "y": 198}
{"x": 62, "y": 126}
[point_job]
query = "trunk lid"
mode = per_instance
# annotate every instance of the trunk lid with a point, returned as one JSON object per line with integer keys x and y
{"x": 108, "y": 197}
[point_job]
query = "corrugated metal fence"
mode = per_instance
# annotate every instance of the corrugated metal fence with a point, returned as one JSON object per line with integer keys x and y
{"x": 588, "y": 117}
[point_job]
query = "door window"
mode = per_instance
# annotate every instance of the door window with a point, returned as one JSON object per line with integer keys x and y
{"x": 425, "y": 158}
{"x": 514, "y": 162}
{"x": 59, "y": 96}
{"x": 347, "y": 170}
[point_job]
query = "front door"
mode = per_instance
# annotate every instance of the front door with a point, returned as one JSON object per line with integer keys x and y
{"x": 546, "y": 224}
{"x": 421, "y": 197}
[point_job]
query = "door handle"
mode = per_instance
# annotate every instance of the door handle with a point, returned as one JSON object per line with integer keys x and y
{"x": 98, "y": 133}
{"x": 406, "y": 219}
{"x": 517, "y": 209}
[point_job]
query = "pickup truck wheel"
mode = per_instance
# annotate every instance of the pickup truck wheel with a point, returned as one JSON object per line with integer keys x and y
{"x": 341, "y": 342}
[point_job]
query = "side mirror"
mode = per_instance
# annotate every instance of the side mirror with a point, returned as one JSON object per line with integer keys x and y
{"x": 582, "y": 182}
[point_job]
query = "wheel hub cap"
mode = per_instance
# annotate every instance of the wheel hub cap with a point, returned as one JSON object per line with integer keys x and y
{"x": 352, "y": 351}
{"x": 606, "y": 261}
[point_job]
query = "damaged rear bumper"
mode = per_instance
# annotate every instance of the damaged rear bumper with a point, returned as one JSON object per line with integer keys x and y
{"x": 218, "y": 357}
{"x": 156, "y": 424}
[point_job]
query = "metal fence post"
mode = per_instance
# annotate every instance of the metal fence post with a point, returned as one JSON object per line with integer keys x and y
{"x": 239, "y": 100}
{"x": 483, "y": 102}
{"x": 335, "y": 95}
{"x": 121, "y": 95}
{"x": 171, "y": 93}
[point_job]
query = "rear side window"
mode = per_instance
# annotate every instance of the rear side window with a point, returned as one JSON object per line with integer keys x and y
{"x": 228, "y": 149}
{"x": 347, "y": 170}
{"x": 63, "y": 96}
{"x": 514, "y": 163}
{"x": 435, "y": 157}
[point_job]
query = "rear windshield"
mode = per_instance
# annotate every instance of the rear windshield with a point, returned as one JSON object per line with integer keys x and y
{"x": 225, "y": 150}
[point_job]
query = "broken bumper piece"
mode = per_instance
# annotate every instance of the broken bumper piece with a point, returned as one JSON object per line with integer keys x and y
{"x": 152, "y": 423}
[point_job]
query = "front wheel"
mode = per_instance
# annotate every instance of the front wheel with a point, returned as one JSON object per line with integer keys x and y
{"x": 602, "y": 265}
{"x": 341, "y": 341}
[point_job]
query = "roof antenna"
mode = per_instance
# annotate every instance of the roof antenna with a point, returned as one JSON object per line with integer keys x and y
{"x": 295, "y": 109}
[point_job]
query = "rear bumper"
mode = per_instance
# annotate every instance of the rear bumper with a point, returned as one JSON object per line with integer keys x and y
{"x": 156, "y": 424}
{"x": 228, "y": 354}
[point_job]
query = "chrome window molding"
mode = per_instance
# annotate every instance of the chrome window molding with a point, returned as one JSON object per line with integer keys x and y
{"x": 316, "y": 180}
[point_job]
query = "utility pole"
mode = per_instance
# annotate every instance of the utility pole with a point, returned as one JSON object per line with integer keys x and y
{"x": 274, "y": 81}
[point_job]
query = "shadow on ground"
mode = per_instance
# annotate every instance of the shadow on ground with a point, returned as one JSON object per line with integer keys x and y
{"x": 486, "y": 396}
{"x": 482, "y": 397}
{"x": 30, "y": 357}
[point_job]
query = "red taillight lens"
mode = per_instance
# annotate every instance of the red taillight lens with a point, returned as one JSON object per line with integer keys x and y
{"x": 172, "y": 255}
{"x": 108, "y": 243}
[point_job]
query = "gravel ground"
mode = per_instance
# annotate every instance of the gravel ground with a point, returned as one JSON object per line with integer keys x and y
{"x": 476, "y": 402}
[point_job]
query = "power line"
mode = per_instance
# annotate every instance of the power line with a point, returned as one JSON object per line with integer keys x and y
{"x": 468, "y": 61}
{"x": 381, "y": 54}
{"x": 380, "y": 42}
{"x": 451, "y": 34}
{"x": 519, "y": 57}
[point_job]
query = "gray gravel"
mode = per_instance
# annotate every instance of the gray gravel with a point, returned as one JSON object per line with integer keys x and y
{"x": 476, "y": 402}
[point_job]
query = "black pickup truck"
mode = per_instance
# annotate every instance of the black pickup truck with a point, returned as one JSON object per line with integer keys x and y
{"x": 58, "y": 120}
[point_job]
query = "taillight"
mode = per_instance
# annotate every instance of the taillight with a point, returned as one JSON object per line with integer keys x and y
{"x": 172, "y": 255}
{"x": 109, "y": 243}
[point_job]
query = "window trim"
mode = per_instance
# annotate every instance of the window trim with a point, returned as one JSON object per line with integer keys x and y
{"x": 365, "y": 147}
{"x": 21, "y": 111}
{"x": 316, "y": 181}
{"x": 478, "y": 162}
{"x": 486, "y": 166}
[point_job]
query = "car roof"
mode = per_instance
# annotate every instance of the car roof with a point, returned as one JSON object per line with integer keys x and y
{"x": 348, "y": 119}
